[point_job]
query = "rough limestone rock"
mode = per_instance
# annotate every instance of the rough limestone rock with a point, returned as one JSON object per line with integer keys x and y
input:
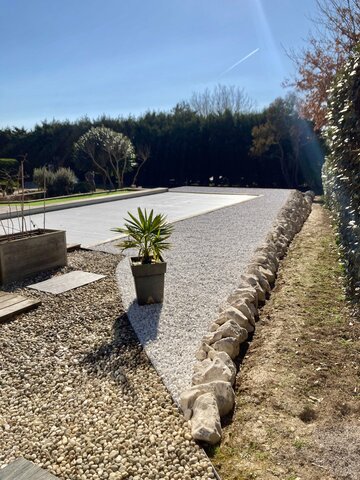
{"x": 268, "y": 274}
{"x": 212, "y": 395}
{"x": 212, "y": 337}
{"x": 250, "y": 280}
{"x": 254, "y": 311}
{"x": 245, "y": 308}
{"x": 247, "y": 293}
{"x": 225, "y": 358}
{"x": 262, "y": 271}
{"x": 200, "y": 354}
{"x": 233, "y": 313}
{"x": 229, "y": 345}
{"x": 228, "y": 329}
{"x": 203, "y": 351}
{"x": 262, "y": 259}
{"x": 222, "y": 391}
{"x": 205, "y": 421}
{"x": 214, "y": 326}
{"x": 232, "y": 329}
{"x": 264, "y": 284}
{"x": 210, "y": 370}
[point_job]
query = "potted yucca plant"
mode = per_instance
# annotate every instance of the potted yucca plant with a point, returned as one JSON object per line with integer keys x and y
{"x": 148, "y": 233}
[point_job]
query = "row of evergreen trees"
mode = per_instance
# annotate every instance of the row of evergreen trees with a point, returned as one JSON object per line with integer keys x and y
{"x": 188, "y": 147}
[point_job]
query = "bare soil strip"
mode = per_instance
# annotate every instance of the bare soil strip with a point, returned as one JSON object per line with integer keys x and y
{"x": 297, "y": 414}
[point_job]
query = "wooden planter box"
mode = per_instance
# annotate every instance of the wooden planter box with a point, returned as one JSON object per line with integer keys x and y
{"x": 23, "y": 254}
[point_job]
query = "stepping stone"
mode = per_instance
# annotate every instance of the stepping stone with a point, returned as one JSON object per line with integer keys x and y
{"x": 12, "y": 304}
{"x": 22, "y": 469}
{"x": 66, "y": 282}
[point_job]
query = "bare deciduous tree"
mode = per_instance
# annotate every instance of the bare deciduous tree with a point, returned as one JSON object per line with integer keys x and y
{"x": 220, "y": 99}
{"x": 336, "y": 32}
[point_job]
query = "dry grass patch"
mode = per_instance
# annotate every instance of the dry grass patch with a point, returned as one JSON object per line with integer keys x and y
{"x": 297, "y": 414}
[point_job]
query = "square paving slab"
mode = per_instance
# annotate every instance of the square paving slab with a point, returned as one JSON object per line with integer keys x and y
{"x": 68, "y": 281}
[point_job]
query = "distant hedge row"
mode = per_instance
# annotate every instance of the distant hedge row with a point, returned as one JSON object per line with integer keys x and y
{"x": 341, "y": 171}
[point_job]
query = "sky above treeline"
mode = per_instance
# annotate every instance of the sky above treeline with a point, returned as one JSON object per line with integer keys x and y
{"x": 64, "y": 59}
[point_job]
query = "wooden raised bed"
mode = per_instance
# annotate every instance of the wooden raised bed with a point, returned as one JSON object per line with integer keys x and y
{"x": 26, "y": 253}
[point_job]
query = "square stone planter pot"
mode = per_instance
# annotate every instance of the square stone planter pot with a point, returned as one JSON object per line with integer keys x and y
{"x": 23, "y": 254}
{"x": 149, "y": 281}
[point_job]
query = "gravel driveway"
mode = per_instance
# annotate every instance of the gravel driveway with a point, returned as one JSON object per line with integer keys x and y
{"x": 208, "y": 256}
{"x": 80, "y": 397}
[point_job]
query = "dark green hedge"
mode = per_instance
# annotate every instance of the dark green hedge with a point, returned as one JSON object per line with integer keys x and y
{"x": 341, "y": 172}
{"x": 9, "y": 164}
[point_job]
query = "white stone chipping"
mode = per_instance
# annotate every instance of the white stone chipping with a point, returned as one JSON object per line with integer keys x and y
{"x": 209, "y": 254}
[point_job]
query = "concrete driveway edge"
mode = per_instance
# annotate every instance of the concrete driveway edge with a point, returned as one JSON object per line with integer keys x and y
{"x": 81, "y": 203}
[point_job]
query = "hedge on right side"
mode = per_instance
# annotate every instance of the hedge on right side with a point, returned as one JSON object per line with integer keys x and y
{"x": 341, "y": 170}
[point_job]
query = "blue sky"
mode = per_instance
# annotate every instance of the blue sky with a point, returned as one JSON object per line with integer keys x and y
{"x": 66, "y": 59}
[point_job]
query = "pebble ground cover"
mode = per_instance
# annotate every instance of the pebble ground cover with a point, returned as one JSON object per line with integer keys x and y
{"x": 79, "y": 396}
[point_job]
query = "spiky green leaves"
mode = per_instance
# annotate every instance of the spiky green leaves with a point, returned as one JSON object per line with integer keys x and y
{"x": 148, "y": 233}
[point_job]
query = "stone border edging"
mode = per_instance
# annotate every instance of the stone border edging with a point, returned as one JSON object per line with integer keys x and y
{"x": 82, "y": 203}
{"x": 212, "y": 395}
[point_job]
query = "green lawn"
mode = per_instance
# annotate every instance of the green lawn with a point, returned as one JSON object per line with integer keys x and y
{"x": 52, "y": 201}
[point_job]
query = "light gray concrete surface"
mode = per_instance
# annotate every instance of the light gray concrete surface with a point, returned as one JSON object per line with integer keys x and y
{"x": 92, "y": 224}
{"x": 6, "y": 212}
{"x": 209, "y": 254}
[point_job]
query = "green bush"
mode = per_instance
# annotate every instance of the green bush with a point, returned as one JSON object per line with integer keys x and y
{"x": 341, "y": 171}
{"x": 64, "y": 182}
{"x": 9, "y": 165}
{"x": 83, "y": 187}
{"x": 9, "y": 173}
{"x": 42, "y": 177}
{"x": 60, "y": 182}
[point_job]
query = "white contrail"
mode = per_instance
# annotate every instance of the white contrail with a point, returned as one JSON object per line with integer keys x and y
{"x": 240, "y": 61}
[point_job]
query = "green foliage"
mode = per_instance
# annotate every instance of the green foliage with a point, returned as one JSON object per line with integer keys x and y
{"x": 83, "y": 187}
{"x": 186, "y": 148}
{"x": 60, "y": 182}
{"x": 148, "y": 234}
{"x": 9, "y": 172}
{"x": 341, "y": 173}
{"x": 286, "y": 139}
{"x": 9, "y": 164}
{"x": 111, "y": 153}
{"x": 42, "y": 177}
{"x": 64, "y": 182}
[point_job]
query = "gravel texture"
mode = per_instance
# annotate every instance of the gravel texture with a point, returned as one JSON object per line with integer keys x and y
{"x": 79, "y": 396}
{"x": 209, "y": 254}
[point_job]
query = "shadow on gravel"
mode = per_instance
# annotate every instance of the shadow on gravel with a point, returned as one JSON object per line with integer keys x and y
{"x": 145, "y": 320}
{"x": 35, "y": 278}
{"x": 119, "y": 356}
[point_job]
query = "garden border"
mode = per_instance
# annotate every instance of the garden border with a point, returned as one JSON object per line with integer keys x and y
{"x": 212, "y": 395}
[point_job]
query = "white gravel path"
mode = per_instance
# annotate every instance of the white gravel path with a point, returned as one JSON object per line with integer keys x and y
{"x": 209, "y": 254}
